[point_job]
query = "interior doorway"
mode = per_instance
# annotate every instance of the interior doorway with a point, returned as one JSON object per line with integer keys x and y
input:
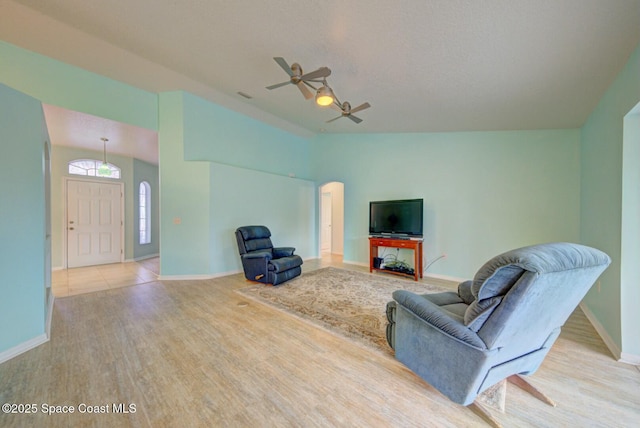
{"x": 332, "y": 219}
{"x": 94, "y": 223}
{"x": 326, "y": 223}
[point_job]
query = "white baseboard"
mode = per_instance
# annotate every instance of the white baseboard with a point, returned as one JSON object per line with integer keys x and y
{"x": 608, "y": 341}
{"x": 445, "y": 277}
{"x": 351, "y": 262}
{"x": 629, "y": 359}
{"x": 149, "y": 256}
{"x": 23, "y": 347}
{"x": 196, "y": 277}
{"x": 52, "y": 299}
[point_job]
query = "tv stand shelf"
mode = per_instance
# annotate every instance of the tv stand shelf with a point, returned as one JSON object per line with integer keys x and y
{"x": 410, "y": 244}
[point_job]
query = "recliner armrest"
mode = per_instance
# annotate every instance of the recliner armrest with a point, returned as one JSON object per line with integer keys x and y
{"x": 464, "y": 291}
{"x": 258, "y": 255}
{"x": 437, "y": 317}
{"x": 282, "y": 252}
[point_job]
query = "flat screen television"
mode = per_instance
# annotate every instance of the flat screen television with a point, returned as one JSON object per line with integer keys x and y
{"x": 401, "y": 218}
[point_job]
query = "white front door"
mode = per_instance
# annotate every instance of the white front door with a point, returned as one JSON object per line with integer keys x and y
{"x": 94, "y": 223}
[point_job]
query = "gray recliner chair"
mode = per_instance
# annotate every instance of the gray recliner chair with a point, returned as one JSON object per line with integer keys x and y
{"x": 262, "y": 261}
{"x": 502, "y": 323}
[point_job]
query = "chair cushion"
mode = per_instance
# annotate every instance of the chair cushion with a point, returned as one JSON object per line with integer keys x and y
{"x": 282, "y": 252}
{"x": 285, "y": 263}
{"x": 254, "y": 238}
{"x": 488, "y": 288}
{"x": 258, "y": 244}
{"x": 478, "y": 312}
{"x": 464, "y": 291}
{"x": 489, "y": 283}
{"x": 254, "y": 232}
{"x": 449, "y": 301}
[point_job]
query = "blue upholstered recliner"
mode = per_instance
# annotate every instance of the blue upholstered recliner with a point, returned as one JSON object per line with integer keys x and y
{"x": 502, "y": 323}
{"x": 261, "y": 261}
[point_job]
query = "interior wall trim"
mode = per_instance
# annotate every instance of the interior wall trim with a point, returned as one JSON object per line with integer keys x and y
{"x": 52, "y": 299}
{"x": 629, "y": 359}
{"x": 23, "y": 347}
{"x": 195, "y": 277}
{"x": 608, "y": 341}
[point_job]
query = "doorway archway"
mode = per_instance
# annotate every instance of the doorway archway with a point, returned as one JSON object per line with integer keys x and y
{"x": 331, "y": 230}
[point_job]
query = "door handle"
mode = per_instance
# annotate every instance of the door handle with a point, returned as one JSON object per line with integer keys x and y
{"x": 71, "y": 228}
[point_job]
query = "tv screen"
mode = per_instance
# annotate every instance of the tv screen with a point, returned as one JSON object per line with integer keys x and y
{"x": 396, "y": 218}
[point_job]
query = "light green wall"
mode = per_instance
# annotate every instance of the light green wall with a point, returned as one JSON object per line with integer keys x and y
{"x": 241, "y": 197}
{"x": 144, "y": 171}
{"x": 602, "y": 205}
{"x": 22, "y": 219}
{"x": 214, "y": 133}
{"x": 484, "y": 192}
{"x": 64, "y": 85}
{"x": 215, "y": 166}
{"x": 629, "y": 266}
{"x": 184, "y": 196}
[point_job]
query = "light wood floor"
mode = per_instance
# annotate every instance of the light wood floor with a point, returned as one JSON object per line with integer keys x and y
{"x": 194, "y": 353}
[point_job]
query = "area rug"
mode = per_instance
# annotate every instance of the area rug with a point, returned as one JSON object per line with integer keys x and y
{"x": 350, "y": 303}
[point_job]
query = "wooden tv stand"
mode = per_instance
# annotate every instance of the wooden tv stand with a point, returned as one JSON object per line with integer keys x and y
{"x": 410, "y": 244}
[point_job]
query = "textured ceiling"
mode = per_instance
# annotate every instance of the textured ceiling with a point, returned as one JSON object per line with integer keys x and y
{"x": 75, "y": 129}
{"x": 423, "y": 65}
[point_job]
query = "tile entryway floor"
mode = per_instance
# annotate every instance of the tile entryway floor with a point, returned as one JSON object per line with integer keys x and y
{"x": 70, "y": 282}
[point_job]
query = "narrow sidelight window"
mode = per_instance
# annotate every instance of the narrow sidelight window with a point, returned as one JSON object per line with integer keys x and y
{"x": 145, "y": 213}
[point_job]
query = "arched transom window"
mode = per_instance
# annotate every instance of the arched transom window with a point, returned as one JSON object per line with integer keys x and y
{"x": 94, "y": 168}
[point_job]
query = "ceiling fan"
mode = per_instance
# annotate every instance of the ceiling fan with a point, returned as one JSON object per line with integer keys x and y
{"x": 347, "y": 111}
{"x": 298, "y": 78}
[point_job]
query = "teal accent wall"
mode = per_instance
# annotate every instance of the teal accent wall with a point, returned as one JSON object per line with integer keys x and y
{"x": 22, "y": 218}
{"x": 630, "y": 248}
{"x": 484, "y": 192}
{"x": 220, "y": 170}
{"x": 60, "y": 84}
{"x": 241, "y": 197}
{"x": 144, "y": 171}
{"x": 184, "y": 196}
{"x": 609, "y": 164}
{"x": 214, "y": 133}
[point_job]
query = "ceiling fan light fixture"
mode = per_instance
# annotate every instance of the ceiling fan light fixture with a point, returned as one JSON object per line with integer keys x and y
{"x": 324, "y": 96}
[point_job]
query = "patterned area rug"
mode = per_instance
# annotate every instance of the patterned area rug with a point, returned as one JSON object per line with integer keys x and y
{"x": 347, "y": 302}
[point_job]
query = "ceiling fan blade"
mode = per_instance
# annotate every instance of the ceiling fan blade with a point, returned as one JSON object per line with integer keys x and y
{"x": 305, "y": 91}
{"x": 355, "y": 119}
{"x": 331, "y": 120}
{"x": 278, "y": 85}
{"x": 282, "y": 63}
{"x": 322, "y": 72}
{"x": 360, "y": 107}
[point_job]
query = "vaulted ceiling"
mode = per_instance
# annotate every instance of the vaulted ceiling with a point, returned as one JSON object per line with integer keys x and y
{"x": 423, "y": 65}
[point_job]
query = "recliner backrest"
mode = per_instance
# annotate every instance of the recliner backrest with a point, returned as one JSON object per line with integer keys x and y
{"x": 253, "y": 238}
{"x": 489, "y": 286}
{"x": 530, "y": 292}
